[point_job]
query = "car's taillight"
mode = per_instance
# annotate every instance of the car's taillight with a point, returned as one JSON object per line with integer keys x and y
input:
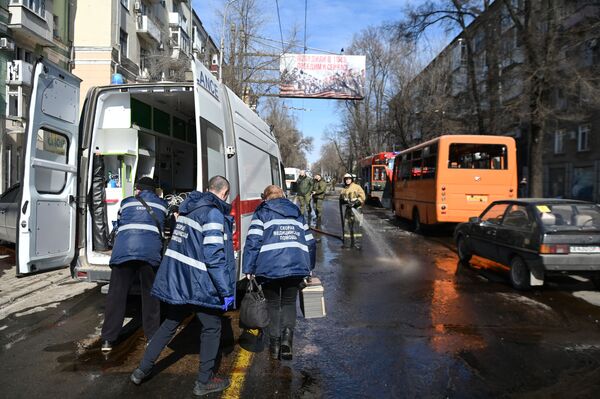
{"x": 235, "y": 212}
{"x": 554, "y": 249}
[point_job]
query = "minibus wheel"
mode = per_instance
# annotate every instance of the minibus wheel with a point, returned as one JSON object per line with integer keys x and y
{"x": 416, "y": 221}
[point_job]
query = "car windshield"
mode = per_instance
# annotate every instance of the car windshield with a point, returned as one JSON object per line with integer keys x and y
{"x": 569, "y": 216}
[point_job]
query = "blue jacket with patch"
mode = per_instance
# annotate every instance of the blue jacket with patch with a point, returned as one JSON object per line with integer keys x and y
{"x": 138, "y": 237}
{"x": 199, "y": 266}
{"x": 278, "y": 243}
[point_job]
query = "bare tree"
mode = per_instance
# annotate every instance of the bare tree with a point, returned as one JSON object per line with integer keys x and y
{"x": 251, "y": 65}
{"x": 330, "y": 163}
{"x": 292, "y": 143}
{"x": 366, "y": 123}
{"x": 550, "y": 74}
{"x": 454, "y": 15}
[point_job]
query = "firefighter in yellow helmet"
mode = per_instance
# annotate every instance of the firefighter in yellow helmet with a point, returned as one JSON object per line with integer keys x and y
{"x": 352, "y": 198}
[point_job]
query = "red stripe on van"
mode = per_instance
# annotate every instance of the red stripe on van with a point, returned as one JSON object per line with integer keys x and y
{"x": 248, "y": 206}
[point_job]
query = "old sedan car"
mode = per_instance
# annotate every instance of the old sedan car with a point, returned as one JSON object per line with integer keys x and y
{"x": 9, "y": 209}
{"x": 534, "y": 238}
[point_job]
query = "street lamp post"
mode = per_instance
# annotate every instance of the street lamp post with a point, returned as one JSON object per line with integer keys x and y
{"x": 223, "y": 40}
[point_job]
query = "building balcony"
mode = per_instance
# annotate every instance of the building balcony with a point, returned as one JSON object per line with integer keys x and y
{"x": 180, "y": 43}
{"x": 175, "y": 19}
{"x": 30, "y": 25}
{"x": 147, "y": 28}
{"x": 18, "y": 73}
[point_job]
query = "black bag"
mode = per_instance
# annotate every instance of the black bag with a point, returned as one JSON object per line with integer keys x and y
{"x": 253, "y": 310}
{"x": 163, "y": 239}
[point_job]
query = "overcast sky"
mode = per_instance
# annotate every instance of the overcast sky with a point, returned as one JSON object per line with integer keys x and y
{"x": 330, "y": 26}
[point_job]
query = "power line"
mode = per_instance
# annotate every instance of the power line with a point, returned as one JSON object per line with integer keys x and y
{"x": 280, "y": 30}
{"x": 292, "y": 44}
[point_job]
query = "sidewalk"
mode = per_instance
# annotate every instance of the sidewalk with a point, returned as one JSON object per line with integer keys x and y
{"x": 33, "y": 293}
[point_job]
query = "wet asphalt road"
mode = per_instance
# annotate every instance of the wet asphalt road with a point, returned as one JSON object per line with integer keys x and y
{"x": 405, "y": 320}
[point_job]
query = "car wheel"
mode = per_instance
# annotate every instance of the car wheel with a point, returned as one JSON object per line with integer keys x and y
{"x": 519, "y": 274}
{"x": 464, "y": 253}
{"x": 416, "y": 222}
{"x": 596, "y": 280}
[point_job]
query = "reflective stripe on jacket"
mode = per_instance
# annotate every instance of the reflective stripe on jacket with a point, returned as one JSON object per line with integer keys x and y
{"x": 279, "y": 243}
{"x": 138, "y": 237}
{"x": 199, "y": 266}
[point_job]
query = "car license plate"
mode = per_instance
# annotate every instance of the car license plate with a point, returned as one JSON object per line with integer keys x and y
{"x": 477, "y": 198}
{"x": 590, "y": 249}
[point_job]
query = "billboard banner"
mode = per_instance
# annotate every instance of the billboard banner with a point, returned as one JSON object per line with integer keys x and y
{"x": 322, "y": 76}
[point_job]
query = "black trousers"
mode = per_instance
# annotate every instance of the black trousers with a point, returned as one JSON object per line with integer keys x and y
{"x": 121, "y": 277}
{"x": 281, "y": 297}
{"x": 210, "y": 338}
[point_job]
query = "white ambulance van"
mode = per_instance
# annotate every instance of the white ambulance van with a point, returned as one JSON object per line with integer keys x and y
{"x": 180, "y": 134}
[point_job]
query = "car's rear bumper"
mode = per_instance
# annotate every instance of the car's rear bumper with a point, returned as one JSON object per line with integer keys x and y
{"x": 570, "y": 262}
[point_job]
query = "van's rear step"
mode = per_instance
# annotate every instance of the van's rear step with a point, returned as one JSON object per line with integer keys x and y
{"x": 93, "y": 274}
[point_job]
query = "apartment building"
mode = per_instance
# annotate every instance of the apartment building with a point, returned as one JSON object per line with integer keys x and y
{"x": 444, "y": 101}
{"x": 142, "y": 40}
{"x": 29, "y": 29}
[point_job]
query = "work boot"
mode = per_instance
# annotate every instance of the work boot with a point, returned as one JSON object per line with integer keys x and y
{"x": 138, "y": 376}
{"x": 274, "y": 347}
{"x": 287, "y": 336}
{"x": 213, "y": 385}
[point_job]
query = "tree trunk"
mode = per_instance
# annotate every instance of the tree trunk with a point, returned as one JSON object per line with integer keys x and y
{"x": 536, "y": 139}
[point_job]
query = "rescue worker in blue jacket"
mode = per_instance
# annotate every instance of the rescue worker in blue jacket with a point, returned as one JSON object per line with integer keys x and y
{"x": 280, "y": 253}
{"x": 137, "y": 250}
{"x": 197, "y": 275}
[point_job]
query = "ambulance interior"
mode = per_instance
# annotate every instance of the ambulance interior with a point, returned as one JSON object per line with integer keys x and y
{"x": 143, "y": 132}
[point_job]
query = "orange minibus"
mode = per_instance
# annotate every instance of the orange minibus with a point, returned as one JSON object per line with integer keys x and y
{"x": 453, "y": 177}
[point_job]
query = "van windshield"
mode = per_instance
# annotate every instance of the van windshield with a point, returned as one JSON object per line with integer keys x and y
{"x": 569, "y": 216}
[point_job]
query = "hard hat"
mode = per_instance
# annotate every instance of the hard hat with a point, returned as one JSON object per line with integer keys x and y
{"x": 348, "y": 176}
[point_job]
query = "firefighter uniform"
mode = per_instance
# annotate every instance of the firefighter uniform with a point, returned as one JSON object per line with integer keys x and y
{"x": 352, "y": 198}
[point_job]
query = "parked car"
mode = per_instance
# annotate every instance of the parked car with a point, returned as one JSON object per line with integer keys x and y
{"x": 535, "y": 237}
{"x": 8, "y": 214}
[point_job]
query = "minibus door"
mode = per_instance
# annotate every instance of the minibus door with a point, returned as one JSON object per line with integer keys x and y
{"x": 47, "y": 210}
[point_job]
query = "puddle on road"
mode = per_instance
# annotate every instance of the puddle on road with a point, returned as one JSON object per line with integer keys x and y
{"x": 80, "y": 357}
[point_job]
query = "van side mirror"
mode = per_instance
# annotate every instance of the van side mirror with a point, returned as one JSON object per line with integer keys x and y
{"x": 475, "y": 219}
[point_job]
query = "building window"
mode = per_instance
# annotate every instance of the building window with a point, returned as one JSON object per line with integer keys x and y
{"x": 55, "y": 27}
{"x": 583, "y": 138}
{"x": 37, "y": 6}
{"x": 123, "y": 42}
{"x": 559, "y": 142}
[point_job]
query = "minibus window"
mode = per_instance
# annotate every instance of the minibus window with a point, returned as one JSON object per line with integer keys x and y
{"x": 477, "y": 156}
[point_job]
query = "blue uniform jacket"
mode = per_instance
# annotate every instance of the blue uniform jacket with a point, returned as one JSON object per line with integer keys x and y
{"x": 199, "y": 266}
{"x": 278, "y": 243}
{"x": 138, "y": 237}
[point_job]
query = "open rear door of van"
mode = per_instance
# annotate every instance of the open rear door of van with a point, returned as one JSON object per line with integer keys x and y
{"x": 47, "y": 212}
